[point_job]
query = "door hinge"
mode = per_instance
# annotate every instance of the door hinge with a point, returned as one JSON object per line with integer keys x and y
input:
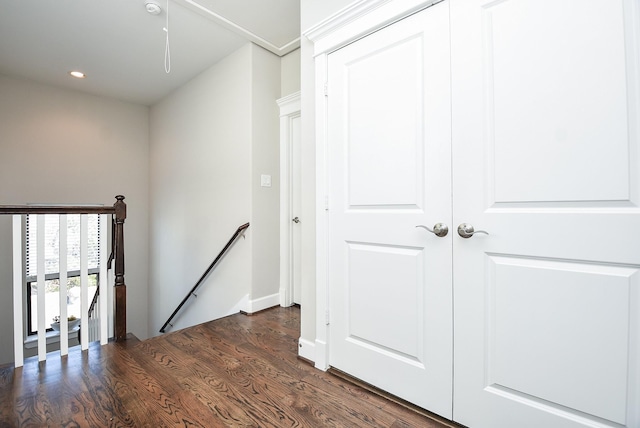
{"x": 326, "y": 203}
{"x": 326, "y": 89}
{"x": 326, "y": 317}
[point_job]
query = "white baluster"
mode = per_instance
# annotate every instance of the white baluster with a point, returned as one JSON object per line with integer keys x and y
{"x": 18, "y": 334}
{"x": 84, "y": 272}
{"x": 102, "y": 303}
{"x": 62, "y": 251}
{"x": 42, "y": 328}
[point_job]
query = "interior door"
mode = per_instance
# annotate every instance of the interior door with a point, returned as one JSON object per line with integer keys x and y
{"x": 291, "y": 221}
{"x": 545, "y": 148}
{"x": 389, "y": 151}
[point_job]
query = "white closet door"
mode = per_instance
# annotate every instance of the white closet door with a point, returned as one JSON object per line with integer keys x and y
{"x": 545, "y": 148}
{"x": 389, "y": 151}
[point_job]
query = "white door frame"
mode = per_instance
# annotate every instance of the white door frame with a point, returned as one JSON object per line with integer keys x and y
{"x": 349, "y": 24}
{"x": 289, "y": 110}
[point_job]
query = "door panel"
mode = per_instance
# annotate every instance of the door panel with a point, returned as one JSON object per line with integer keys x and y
{"x": 555, "y": 78}
{"x": 545, "y": 149}
{"x": 372, "y": 268}
{"x": 389, "y": 150}
{"x": 541, "y": 320}
{"x": 372, "y": 105}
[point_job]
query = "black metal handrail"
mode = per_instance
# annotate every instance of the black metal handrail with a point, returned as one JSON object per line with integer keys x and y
{"x": 204, "y": 275}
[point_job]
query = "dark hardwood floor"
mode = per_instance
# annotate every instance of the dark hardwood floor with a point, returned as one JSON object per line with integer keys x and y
{"x": 239, "y": 371}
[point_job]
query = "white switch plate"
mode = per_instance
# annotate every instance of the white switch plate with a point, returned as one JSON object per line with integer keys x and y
{"x": 265, "y": 180}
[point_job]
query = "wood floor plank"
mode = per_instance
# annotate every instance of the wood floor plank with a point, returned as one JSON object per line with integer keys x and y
{"x": 265, "y": 380}
{"x": 273, "y": 377}
{"x": 239, "y": 371}
{"x": 225, "y": 392}
{"x": 206, "y": 376}
{"x": 162, "y": 400}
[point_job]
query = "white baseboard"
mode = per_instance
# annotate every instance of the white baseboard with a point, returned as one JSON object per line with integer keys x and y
{"x": 307, "y": 349}
{"x": 266, "y": 302}
{"x": 240, "y": 305}
{"x": 322, "y": 361}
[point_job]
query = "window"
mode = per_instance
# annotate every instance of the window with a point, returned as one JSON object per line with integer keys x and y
{"x": 52, "y": 267}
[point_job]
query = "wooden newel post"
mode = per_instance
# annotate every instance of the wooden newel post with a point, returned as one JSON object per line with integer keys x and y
{"x": 120, "y": 328}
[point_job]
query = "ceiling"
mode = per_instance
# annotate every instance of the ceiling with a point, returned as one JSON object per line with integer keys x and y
{"x": 121, "y": 47}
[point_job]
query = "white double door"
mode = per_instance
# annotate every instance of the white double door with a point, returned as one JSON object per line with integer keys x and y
{"x": 520, "y": 118}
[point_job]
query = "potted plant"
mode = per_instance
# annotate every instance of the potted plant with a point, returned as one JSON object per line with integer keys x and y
{"x": 72, "y": 322}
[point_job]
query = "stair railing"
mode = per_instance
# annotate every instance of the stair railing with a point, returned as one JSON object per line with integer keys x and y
{"x": 235, "y": 236}
{"x": 118, "y": 212}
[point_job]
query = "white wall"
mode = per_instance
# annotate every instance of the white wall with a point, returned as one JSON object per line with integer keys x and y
{"x": 61, "y": 146}
{"x": 200, "y": 193}
{"x": 290, "y": 73}
{"x": 210, "y": 142}
{"x": 312, "y": 12}
{"x": 265, "y": 159}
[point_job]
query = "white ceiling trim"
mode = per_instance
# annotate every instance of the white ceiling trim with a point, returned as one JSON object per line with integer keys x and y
{"x": 359, "y": 19}
{"x": 230, "y": 25}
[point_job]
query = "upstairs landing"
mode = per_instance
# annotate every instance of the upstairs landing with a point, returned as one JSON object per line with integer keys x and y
{"x": 235, "y": 371}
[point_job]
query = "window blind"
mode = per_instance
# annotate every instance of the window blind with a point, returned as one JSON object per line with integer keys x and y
{"x": 52, "y": 243}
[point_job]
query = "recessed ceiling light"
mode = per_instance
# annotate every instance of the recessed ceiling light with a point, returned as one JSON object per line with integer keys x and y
{"x": 77, "y": 74}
